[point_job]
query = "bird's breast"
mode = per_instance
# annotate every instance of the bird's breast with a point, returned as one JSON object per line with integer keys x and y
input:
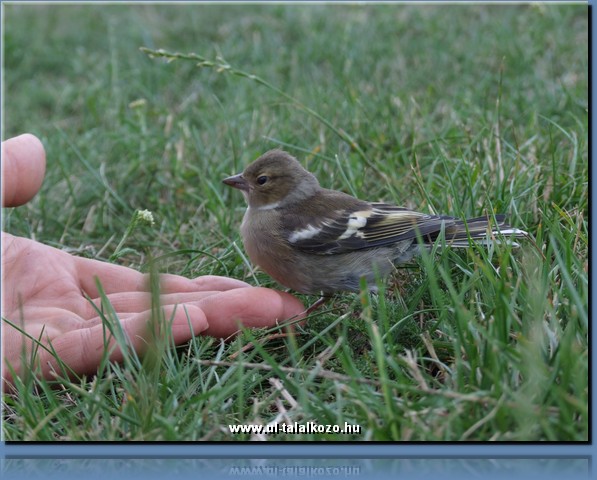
{"x": 268, "y": 249}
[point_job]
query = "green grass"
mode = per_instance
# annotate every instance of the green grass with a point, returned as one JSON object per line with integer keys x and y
{"x": 451, "y": 109}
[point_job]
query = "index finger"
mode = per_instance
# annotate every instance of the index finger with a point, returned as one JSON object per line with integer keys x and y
{"x": 119, "y": 279}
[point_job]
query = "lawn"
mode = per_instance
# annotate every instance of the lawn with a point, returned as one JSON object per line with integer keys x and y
{"x": 461, "y": 110}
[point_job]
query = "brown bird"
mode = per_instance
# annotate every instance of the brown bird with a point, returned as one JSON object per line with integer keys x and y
{"x": 315, "y": 240}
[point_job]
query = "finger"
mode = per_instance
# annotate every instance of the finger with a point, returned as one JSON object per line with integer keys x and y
{"x": 23, "y": 169}
{"x": 134, "y": 302}
{"x": 176, "y": 283}
{"x": 256, "y": 307}
{"x": 83, "y": 350}
{"x": 119, "y": 279}
{"x": 113, "y": 278}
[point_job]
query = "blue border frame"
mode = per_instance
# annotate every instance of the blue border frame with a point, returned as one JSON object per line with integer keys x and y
{"x": 411, "y": 467}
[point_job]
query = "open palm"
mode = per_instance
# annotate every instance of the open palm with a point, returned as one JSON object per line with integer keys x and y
{"x": 47, "y": 291}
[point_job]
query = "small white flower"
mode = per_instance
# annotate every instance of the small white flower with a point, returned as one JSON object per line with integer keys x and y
{"x": 145, "y": 216}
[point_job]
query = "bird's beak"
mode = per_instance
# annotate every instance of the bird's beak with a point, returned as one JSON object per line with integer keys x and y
{"x": 237, "y": 181}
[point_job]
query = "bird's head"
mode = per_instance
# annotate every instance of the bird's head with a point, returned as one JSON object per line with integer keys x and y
{"x": 274, "y": 179}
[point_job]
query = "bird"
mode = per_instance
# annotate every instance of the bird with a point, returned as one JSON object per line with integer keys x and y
{"x": 319, "y": 241}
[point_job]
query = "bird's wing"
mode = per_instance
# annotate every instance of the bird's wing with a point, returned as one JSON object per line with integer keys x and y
{"x": 362, "y": 225}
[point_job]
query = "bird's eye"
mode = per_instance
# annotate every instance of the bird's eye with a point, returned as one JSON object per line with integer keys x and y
{"x": 261, "y": 180}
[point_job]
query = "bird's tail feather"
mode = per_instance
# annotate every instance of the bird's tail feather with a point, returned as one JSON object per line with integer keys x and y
{"x": 482, "y": 231}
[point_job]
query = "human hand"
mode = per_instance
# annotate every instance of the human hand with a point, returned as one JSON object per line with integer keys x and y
{"x": 45, "y": 294}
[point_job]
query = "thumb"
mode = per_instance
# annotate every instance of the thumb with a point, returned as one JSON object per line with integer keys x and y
{"x": 23, "y": 169}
